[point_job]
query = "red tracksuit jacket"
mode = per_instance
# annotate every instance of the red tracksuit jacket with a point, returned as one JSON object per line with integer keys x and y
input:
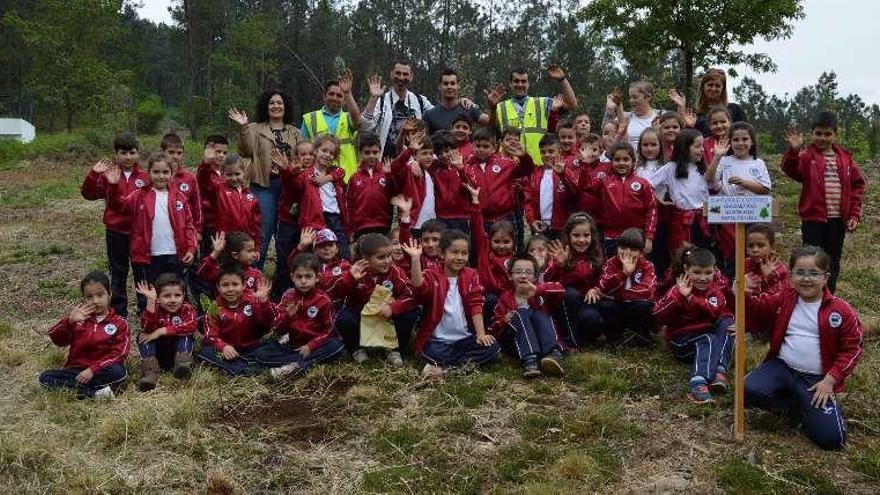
{"x": 184, "y": 322}
{"x": 235, "y": 210}
{"x": 291, "y": 196}
{"x": 208, "y": 179}
{"x": 312, "y": 324}
{"x": 188, "y": 185}
{"x": 624, "y": 202}
{"x": 808, "y": 168}
{"x": 95, "y": 187}
{"x": 405, "y": 236}
{"x": 432, "y": 295}
{"x": 547, "y": 299}
{"x": 496, "y": 183}
{"x": 368, "y": 199}
{"x": 638, "y": 286}
{"x": 579, "y": 273}
{"x": 241, "y": 326}
{"x": 589, "y": 200}
{"x": 840, "y": 330}
{"x": 564, "y": 196}
{"x": 408, "y": 184}
{"x": 141, "y": 205}
{"x": 693, "y": 314}
{"x": 311, "y": 210}
{"x": 492, "y": 267}
{"x": 452, "y": 201}
{"x": 93, "y": 344}
{"x": 359, "y": 291}
{"x": 209, "y": 271}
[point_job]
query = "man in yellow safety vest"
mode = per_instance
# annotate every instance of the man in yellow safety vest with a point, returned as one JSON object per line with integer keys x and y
{"x": 331, "y": 119}
{"x": 528, "y": 113}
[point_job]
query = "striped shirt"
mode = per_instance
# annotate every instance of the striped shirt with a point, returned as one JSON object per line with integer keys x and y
{"x": 832, "y": 186}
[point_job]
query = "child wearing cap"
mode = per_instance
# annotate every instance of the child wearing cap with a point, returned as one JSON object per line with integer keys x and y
{"x": 324, "y": 244}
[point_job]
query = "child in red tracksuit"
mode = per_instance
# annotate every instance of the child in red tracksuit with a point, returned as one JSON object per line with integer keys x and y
{"x": 576, "y": 264}
{"x": 832, "y": 189}
{"x": 493, "y": 253}
{"x": 183, "y": 180}
{"x": 118, "y": 224}
{"x": 235, "y": 207}
{"x": 568, "y": 141}
{"x": 288, "y": 233}
{"x": 522, "y": 319}
{"x": 323, "y": 244}
{"x": 410, "y": 171}
{"x": 626, "y": 199}
{"x": 235, "y": 248}
{"x": 209, "y": 177}
{"x": 452, "y": 332}
{"x": 496, "y": 176}
{"x": 815, "y": 344}
{"x": 357, "y": 285}
{"x": 549, "y": 194}
{"x": 699, "y": 325}
{"x": 764, "y": 272}
{"x": 320, "y": 189}
{"x": 233, "y": 332}
{"x": 451, "y": 200}
{"x": 431, "y": 232}
{"x": 627, "y": 284}
{"x": 304, "y": 323}
{"x": 369, "y": 191}
{"x": 537, "y": 248}
{"x": 98, "y": 340}
{"x": 461, "y": 128}
{"x": 588, "y": 166}
{"x": 167, "y": 326}
{"x": 163, "y": 237}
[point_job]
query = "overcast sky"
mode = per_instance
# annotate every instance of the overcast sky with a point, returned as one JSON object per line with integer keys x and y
{"x": 839, "y": 35}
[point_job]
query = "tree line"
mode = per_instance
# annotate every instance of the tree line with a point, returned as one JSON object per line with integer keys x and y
{"x": 97, "y": 63}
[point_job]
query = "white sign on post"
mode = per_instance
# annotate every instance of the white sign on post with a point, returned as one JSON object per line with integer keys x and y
{"x": 740, "y": 209}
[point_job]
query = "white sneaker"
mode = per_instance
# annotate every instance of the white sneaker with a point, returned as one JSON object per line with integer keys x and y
{"x": 432, "y": 372}
{"x": 282, "y": 371}
{"x": 360, "y": 355}
{"x": 394, "y": 358}
{"x": 104, "y": 393}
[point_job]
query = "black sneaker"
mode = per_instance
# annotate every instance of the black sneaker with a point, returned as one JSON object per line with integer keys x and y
{"x": 530, "y": 368}
{"x": 552, "y": 366}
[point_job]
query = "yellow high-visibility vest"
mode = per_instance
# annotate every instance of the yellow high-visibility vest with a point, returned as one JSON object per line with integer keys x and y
{"x": 317, "y": 125}
{"x": 533, "y": 123}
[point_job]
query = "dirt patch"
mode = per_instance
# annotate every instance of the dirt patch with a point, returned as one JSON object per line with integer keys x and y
{"x": 306, "y": 419}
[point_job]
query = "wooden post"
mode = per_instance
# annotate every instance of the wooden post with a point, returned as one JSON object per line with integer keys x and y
{"x": 739, "y": 429}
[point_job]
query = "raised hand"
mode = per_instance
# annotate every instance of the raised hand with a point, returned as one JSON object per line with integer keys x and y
{"x": 403, "y": 203}
{"x": 307, "y": 237}
{"x": 145, "y": 289}
{"x": 561, "y": 253}
{"x": 612, "y": 101}
{"x": 689, "y": 117}
{"x": 416, "y": 169}
{"x": 495, "y": 94}
{"x": 238, "y": 116}
{"x": 262, "y": 292}
{"x": 374, "y": 82}
{"x": 113, "y": 175}
{"x": 622, "y": 126}
{"x": 102, "y": 166}
{"x": 415, "y": 140}
{"x": 475, "y": 192}
{"x": 684, "y": 285}
{"x": 81, "y": 312}
{"x": 386, "y": 165}
{"x": 467, "y": 103}
{"x": 769, "y": 265}
{"x": 279, "y": 159}
{"x": 558, "y": 166}
{"x": 412, "y": 248}
{"x": 514, "y": 148}
{"x": 557, "y": 104}
{"x": 794, "y": 139}
{"x": 345, "y": 81}
{"x": 586, "y": 155}
{"x": 677, "y": 98}
{"x": 629, "y": 261}
{"x": 722, "y": 146}
{"x": 555, "y": 72}
{"x": 359, "y": 269}
{"x": 455, "y": 159}
{"x": 218, "y": 243}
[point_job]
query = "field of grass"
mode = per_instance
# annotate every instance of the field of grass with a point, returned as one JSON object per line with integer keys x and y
{"x": 617, "y": 423}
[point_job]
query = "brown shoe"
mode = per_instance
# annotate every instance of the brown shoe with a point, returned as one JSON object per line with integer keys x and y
{"x": 149, "y": 374}
{"x": 183, "y": 365}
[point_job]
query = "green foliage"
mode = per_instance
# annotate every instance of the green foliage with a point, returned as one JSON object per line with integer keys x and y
{"x": 51, "y": 146}
{"x": 149, "y": 113}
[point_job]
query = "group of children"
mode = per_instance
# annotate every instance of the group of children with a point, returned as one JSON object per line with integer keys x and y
{"x": 430, "y": 252}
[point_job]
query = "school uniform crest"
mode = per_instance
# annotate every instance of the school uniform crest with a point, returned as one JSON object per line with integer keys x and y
{"x": 184, "y": 187}
{"x": 560, "y": 187}
{"x": 247, "y": 310}
{"x": 250, "y": 282}
{"x": 637, "y": 277}
{"x": 713, "y": 301}
{"x": 249, "y": 196}
{"x": 636, "y": 186}
{"x": 138, "y": 183}
{"x": 110, "y": 329}
{"x": 541, "y": 300}
{"x": 496, "y": 168}
{"x": 312, "y": 312}
{"x": 176, "y": 320}
{"x": 835, "y": 319}
{"x": 601, "y": 175}
{"x": 178, "y": 205}
{"x": 388, "y": 284}
{"x": 382, "y": 181}
{"x": 336, "y": 271}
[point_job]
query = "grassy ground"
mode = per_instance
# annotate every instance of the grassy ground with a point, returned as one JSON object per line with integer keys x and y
{"x": 617, "y": 423}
